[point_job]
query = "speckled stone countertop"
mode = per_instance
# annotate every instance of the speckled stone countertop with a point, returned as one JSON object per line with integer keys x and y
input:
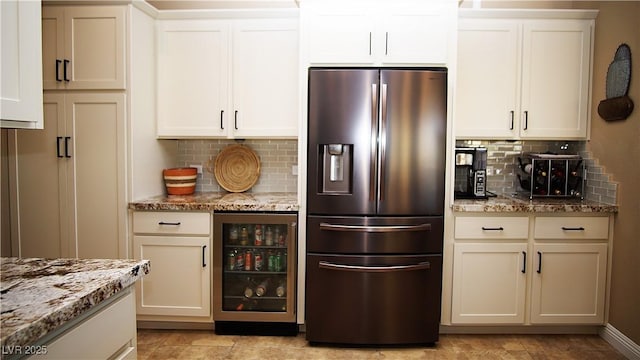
{"x": 508, "y": 203}
{"x": 37, "y": 296}
{"x": 219, "y": 201}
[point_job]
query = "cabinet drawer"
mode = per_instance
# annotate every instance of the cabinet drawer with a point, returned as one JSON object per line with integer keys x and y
{"x": 159, "y": 222}
{"x": 572, "y": 227}
{"x": 492, "y": 227}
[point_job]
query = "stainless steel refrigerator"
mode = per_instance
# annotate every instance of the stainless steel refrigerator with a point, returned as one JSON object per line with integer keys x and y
{"x": 375, "y": 203}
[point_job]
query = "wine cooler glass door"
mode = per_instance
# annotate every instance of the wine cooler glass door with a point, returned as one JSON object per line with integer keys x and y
{"x": 255, "y": 270}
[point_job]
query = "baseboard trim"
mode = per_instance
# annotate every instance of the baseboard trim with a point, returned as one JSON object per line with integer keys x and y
{"x": 620, "y": 342}
{"x": 528, "y": 329}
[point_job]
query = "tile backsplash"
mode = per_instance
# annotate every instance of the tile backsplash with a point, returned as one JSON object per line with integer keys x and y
{"x": 502, "y": 163}
{"x": 277, "y": 157}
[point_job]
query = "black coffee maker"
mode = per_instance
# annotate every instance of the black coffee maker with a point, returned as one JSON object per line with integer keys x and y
{"x": 471, "y": 173}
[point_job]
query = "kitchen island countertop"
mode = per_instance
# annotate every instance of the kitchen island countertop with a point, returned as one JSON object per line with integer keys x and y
{"x": 219, "y": 201}
{"x": 39, "y": 296}
{"x": 509, "y": 203}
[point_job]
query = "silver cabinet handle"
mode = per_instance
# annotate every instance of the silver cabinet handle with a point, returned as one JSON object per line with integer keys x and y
{"x": 386, "y": 43}
{"x": 357, "y": 268}
{"x": 359, "y": 228}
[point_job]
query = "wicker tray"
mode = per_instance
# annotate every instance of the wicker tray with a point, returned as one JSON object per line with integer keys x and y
{"x": 237, "y": 168}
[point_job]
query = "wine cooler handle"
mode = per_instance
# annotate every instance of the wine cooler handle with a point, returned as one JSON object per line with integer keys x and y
{"x": 524, "y": 262}
{"x": 204, "y": 263}
{"x": 330, "y": 266}
{"x": 359, "y": 228}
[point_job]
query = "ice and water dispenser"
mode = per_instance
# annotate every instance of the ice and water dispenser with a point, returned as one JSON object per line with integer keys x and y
{"x": 335, "y": 169}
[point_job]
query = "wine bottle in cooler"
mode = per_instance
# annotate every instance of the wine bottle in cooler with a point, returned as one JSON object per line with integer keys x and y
{"x": 262, "y": 288}
{"x": 281, "y": 290}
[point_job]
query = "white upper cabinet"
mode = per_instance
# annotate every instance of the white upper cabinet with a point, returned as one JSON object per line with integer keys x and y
{"x": 192, "y": 78}
{"x": 265, "y": 78}
{"x": 385, "y": 32}
{"x": 533, "y": 83}
{"x": 83, "y": 47}
{"x": 230, "y": 78}
{"x": 21, "y": 91}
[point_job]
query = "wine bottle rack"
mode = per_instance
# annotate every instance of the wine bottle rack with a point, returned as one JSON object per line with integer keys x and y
{"x": 553, "y": 176}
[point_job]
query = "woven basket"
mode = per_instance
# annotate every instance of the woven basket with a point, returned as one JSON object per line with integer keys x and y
{"x": 180, "y": 181}
{"x": 237, "y": 168}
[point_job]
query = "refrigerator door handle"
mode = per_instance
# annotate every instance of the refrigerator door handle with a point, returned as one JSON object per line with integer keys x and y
{"x": 330, "y": 266}
{"x": 374, "y": 141}
{"x": 379, "y": 229}
{"x": 382, "y": 142}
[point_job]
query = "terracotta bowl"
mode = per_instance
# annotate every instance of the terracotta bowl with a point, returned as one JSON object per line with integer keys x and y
{"x": 180, "y": 181}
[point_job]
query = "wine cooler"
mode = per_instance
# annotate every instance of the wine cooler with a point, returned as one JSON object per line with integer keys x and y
{"x": 254, "y": 272}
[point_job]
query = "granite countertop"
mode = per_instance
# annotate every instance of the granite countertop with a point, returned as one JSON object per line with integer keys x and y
{"x": 37, "y": 296}
{"x": 517, "y": 203}
{"x": 220, "y": 201}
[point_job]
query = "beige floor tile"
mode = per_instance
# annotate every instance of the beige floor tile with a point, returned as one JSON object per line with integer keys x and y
{"x": 185, "y": 344}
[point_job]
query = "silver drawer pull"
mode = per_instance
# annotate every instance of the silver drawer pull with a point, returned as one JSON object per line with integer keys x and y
{"x": 492, "y": 228}
{"x": 421, "y": 227}
{"x": 572, "y": 228}
{"x": 330, "y": 266}
{"x": 169, "y": 223}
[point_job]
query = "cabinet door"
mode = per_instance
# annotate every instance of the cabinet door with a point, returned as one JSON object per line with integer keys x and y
{"x": 83, "y": 47}
{"x": 413, "y": 33}
{"x": 338, "y": 35}
{"x": 568, "y": 285}
{"x": 193, "y": 78}
{"x": 180, "y": 283}
{"x": 41, "y": 186}
{"x": 21, "y": 86}
{"x": 489, "y": 283}
{"x": 96, "y": 173}
{"x": 52, "y": 47}
{"x": 555, "y": 79}
{"x": 487, "y": 81}
{"x": 265, "y": 93}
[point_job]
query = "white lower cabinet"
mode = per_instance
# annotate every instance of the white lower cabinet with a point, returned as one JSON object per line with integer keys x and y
{"x": 108, "y": 333}
{"x": 555, "y": 275}
{"x": 489, "y": 283}
{"x": 178, "y": 244}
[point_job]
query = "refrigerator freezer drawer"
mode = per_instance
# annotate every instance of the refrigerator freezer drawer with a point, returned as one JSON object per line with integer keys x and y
{"x": 374, "y": 235}
{"x": 373, "y": 299}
